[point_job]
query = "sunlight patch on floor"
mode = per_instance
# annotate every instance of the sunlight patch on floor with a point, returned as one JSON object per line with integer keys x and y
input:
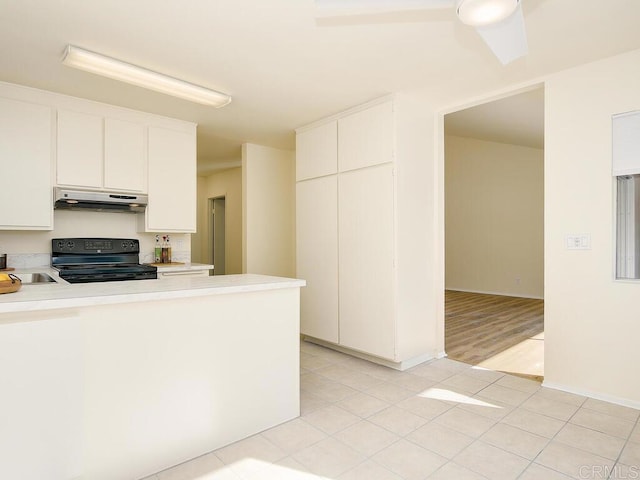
{"x": 449, "y": 396}
{"x": 524, "y": 358}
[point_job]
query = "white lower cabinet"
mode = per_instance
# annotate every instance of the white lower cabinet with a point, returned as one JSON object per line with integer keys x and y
{"x": 26, "y": 200}
{"x": 345, "y": 252}
{"x": 366, "y": 252}
{"x": 41, "y": 373}
{"x": 317, "y": 256}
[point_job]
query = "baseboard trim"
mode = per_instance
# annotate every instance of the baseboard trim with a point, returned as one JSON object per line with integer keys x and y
{"x": 625, "y": 402}
{"x": 402, "y": 365}
{"x": 533, "y": 297}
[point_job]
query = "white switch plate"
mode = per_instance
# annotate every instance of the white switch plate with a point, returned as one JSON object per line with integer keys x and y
{"x": 579, "y": 241}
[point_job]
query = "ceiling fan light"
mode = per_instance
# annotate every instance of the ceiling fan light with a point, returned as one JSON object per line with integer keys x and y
{"x": 478, "y": 13}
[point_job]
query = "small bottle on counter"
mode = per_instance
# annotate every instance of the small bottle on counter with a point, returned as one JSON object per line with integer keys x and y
{"x": 157, "y": 254}
{"x": 165, "y": 250}
{"x": 168, "y": 250}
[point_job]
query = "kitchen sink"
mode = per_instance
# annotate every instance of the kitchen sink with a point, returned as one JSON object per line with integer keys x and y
{"x": 35, "y": 278}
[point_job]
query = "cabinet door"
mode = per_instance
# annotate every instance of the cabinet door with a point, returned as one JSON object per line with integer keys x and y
{"x": 41, "y": 373}
{"x": 26, "y": 198}
{"x": 317, "y": 151}
{"x": 172, "y": 181}
{"x": 80, "y": 149}
{"x": 317, "y": 256}
{"x": 366, "y": 138}
{"x": 124, "y": 155}
{"x": 366, "y": 252}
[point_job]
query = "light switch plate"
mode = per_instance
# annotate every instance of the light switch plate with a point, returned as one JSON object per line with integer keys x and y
{"x": 579, "y": 241}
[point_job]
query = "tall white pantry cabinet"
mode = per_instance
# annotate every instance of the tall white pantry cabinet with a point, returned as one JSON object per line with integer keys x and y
{"x": 346, "y": 234}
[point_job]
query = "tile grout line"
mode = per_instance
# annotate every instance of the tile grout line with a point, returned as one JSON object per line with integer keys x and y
{"x": 571, "y": 446}
{"x": 626, "y": 442}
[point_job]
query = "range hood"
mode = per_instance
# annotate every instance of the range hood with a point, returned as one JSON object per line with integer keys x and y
{"x": 99, "y": 201}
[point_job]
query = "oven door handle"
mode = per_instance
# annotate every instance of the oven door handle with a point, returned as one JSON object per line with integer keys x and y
{"x": 175, "y": 274}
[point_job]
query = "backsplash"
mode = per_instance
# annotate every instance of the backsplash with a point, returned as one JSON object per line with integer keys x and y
{"x": 28, "y": 249}
{"x": 28, "y": 260}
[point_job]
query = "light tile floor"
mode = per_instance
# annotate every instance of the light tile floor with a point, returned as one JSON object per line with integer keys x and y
{"x": 443, "y": 420}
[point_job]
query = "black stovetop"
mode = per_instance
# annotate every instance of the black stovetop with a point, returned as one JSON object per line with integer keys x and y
{"x": 83, "y": 260}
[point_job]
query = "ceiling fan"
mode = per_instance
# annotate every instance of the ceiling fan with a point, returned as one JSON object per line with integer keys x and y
{"x": 500, "y": 23}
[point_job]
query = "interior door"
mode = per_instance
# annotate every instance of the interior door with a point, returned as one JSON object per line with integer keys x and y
{"x": 218, "y": 235}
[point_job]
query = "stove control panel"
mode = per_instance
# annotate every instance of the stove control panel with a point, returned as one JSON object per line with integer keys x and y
{"x": 94, "y": 246}
{"x": 98, "y": 244}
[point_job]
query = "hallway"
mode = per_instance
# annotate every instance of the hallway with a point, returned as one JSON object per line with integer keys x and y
{"x": 496, "y": 332}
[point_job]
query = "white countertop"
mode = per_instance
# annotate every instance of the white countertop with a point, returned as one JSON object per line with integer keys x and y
{"x": 64, "y": 295}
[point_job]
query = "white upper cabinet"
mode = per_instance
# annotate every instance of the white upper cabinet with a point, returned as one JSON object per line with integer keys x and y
{"x": 317, "y": 151}
{"x": 172, "y": 181}
{"x": 48, "y": 140}
{"x": 366, "y": 138}
{"x": 626, "y": 143}
{"x": 100, "y": 152}
{"x": 80, "y": 149}
{"x": 26, "y": 199}
{"x": 125, "y": 155}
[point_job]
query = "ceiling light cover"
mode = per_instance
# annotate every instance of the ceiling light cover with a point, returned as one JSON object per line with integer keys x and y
{"x": 478, "y": 13}
{"x": 125, "y": 72}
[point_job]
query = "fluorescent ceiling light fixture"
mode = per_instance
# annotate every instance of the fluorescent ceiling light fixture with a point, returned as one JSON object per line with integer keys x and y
{"x": 479, "y": 13}
{"x": 125, "y": 72}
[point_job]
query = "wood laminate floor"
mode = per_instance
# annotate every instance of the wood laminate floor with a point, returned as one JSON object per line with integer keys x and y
{"x": 496, "y": 332}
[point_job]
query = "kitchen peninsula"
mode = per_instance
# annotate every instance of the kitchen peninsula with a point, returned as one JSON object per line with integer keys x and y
{"x": 120, "y": 380}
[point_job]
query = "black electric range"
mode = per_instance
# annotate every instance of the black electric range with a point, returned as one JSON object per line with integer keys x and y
{"x": 84, "y": 260}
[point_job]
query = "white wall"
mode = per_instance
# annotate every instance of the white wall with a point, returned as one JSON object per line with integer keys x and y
{"x": 592, "y": 323}
{"x": 494, "y": 225}
{"x": 268, "y": 205}
{"x": 419, "y": 292}
{"x": 69, "y": 223}
{"x": 228, "y": 184}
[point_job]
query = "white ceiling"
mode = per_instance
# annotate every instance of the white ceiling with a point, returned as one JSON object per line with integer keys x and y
{"x": 518, "y": 119}
{"x": 283, "y": 68}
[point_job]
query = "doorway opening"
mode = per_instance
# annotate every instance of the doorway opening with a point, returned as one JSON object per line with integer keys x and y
{"x": 217, "y": 234}
{"x": 494, "y": 234}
